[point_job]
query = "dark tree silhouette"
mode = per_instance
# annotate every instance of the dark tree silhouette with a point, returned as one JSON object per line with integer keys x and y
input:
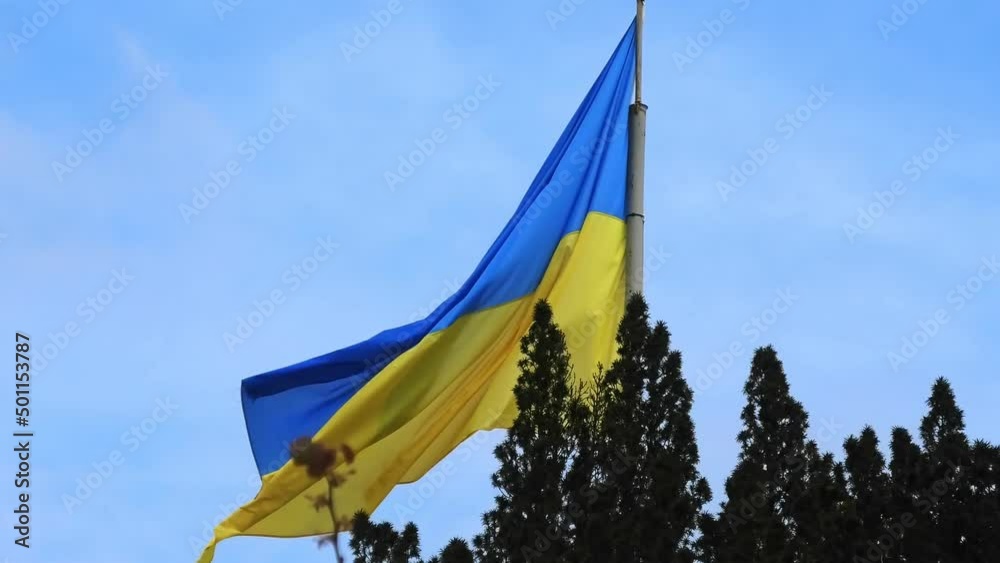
{"x": 634, "y": 469}
{"x": 607, "y": 472}
{"x": 947, "y": 462}
{"x": 381, "y": 543}
{"x": 672, "y": 492}
{"x": 757, "y": 523}
{"x": 981, "y": 514}
{"x": 869, "y": 515}
{"x": 906, "y": 476}
{"x": 457, "y": 551}
{"x": 819, "y": 509}
{"x": 528, "y": 520}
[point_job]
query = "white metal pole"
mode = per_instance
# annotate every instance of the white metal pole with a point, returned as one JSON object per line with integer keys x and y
{"x": 634, "y": 215}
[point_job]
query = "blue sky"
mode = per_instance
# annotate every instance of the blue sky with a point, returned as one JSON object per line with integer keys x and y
{"x": 133, "y": 294}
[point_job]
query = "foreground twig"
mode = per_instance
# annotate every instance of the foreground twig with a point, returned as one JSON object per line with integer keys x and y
{"x": 320, "y": 461}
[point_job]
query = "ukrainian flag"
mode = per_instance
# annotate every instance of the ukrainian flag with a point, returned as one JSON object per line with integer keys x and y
{"x": 406, "y": 397}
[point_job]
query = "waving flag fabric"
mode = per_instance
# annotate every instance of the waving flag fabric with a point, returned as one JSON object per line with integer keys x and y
{"x": 408, "y": 396}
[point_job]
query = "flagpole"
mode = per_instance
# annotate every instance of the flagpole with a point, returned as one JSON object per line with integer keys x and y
{"x": 635, "y": 176}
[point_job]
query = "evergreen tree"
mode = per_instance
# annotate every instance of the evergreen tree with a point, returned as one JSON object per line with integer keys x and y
{"x": 947, "y": 462}
{"x": 757, "y": 521}
{"x": 608, "y": 472}
{"x": 622, "y": 444}
{"x": 381, "y": 543}
{"x": 457, "y": 551}
{"x": 674, "y": 492}
{"x": 527, "y": 522}
{"x": 486, "y": 545}
{"x": 870, "y": 495}
{"x": 819, "y": 509}
{"x": 709, "y": 545}
{"x": 634, "y": 466}
{"x": 982, "y": 512}
{"x": 589, "y": 507}
{"x": 906, "y": 477}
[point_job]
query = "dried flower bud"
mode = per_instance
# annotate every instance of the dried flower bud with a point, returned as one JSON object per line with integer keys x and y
{"x": 300, "y": 447}
{"x": 316, "y": 457}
